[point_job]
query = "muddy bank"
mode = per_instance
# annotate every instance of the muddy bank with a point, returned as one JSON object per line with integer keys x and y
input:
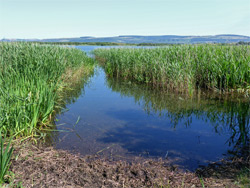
{"x": 38, "y": 166}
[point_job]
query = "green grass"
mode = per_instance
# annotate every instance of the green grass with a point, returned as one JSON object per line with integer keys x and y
{"x": 183, "y": 67}
{"x": 5, "y": 156}
{"x": 243, "y": 179}
{"x": 32, "y": 80}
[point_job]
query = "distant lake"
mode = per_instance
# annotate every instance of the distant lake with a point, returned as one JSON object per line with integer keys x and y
{"x": 88, "y": 49}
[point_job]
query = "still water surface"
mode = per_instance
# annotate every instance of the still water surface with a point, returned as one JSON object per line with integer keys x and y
{"x": 121, "y": 120}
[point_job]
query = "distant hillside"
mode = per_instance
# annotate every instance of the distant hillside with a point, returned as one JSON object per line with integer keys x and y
{"x": 137, "y": 39}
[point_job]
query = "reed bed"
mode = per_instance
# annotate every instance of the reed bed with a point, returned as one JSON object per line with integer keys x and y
{"x": 32, "y": 78}
{"x": 182, "y": 67}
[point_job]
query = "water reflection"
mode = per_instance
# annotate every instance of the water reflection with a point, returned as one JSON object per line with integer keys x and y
{"x": 122, "y": 118}
{"x": 69, "y": 95}
{"x": 227, "y": 115}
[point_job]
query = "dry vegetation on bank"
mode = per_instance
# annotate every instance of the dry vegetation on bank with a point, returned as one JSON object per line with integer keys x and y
{"x": 46, "y": 167}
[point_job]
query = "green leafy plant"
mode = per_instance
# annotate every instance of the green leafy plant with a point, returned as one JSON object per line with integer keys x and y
{"x": 5, "y": 157}
{"x": 243, "y": 179}
{"x": 202, "y": 182}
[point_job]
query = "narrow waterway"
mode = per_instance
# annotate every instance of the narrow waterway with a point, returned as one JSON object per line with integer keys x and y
{"x": 122, "y": 120}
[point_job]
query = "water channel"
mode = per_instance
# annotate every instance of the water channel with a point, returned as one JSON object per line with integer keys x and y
{"x": 122, "y": 120}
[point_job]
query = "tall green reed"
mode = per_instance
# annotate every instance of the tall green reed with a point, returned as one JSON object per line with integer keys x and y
{"x": 31, "y": 79}
{"x": 184, "y": 68}
{"x": 5, "y": 156}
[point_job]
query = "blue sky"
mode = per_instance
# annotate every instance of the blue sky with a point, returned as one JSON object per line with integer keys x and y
{"x": 75, "y": 18}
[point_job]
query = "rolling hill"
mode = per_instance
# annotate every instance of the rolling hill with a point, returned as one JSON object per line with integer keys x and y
{"x": 137, "y": 39}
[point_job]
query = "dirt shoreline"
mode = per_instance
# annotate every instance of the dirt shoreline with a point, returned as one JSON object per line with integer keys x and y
{"x": 40, "y": 166}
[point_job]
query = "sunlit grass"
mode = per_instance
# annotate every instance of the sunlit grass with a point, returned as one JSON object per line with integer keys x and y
{"x": 32, "y": 76}
{"x": 183, "y": 68}
{"x": 5, "y": 156}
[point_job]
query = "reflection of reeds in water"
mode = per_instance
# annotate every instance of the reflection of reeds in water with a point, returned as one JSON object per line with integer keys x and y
{"x": 183, "y": 68}
{"x": 76, "y": 82}
{"x": 224, "y": 114}
{"x": 32, "y": 81}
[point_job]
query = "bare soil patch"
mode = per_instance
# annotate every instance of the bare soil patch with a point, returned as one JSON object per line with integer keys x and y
{"x": 39, "y": 166}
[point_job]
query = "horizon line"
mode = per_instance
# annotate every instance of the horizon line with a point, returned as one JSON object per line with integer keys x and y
{"x": 124, "y": 36}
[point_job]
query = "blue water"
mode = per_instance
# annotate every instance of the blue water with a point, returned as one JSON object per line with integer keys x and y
{"x": 88, "y": 49}
{"x": 122, "y": 120}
